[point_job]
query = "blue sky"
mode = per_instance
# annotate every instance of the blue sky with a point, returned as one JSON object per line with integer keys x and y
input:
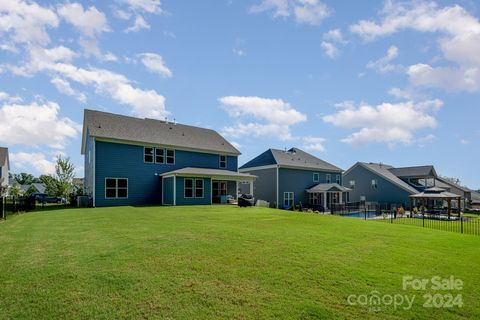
{"x": 389, "y": 81}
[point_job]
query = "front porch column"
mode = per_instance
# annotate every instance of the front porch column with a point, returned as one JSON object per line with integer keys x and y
{"x": 324, "y": 201}
{"x": 174, "y": 190}
{"x": 341, "y": 198}
{"x": 251, "y": 188}
{"x": 236, "y": 190}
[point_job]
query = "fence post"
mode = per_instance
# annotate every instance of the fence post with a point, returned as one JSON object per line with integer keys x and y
{"x": 461, "y": 224}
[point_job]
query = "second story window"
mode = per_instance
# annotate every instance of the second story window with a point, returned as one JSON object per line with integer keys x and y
{"x": 352, "y": 184}
{"x": 316, "y": 177}
{"x": 374, "y": 184}
{"x": 159, "y": 155}
{"x": 223, "y": 161}
{"x": 329, "y": 178}
{"x": 170, "y": 156}
{"x": 337, "y": 179}
{"x": 148, "y": 154}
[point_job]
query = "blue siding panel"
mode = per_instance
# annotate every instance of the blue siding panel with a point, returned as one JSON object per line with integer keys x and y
{"x": 116, "y": 160}
{"x": 168, "y": 191}
{"x": 207, "y": 193}
{"x": 386, "y": 191}
{"x": 296, "y": 181}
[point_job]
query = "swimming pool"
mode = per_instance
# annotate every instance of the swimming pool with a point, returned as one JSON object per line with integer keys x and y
{"x": 359, "y": 214}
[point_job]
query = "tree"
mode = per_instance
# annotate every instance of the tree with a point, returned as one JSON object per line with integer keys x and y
{"x": 31, "y": 190}
{"x": 60, "y": 184}
{"x": 453, "y": 180}
{"x": 15, "y": 190}
{"x": 24, "y": 178}
{"x": 50, "y": 184}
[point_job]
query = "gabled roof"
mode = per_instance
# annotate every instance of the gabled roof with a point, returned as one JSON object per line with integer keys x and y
{"x": 443, "y": 183}
{"x": 192, "y": 172}
{"x": 385, "y": 171}
{"x": 326, "y": 187}
{"x": 149, "y": 131}
{"x": 475, "y": 196}
{"x": 4, "y": 157}
{"x": 292, "y": 158}
{"x": 417, "y": 171}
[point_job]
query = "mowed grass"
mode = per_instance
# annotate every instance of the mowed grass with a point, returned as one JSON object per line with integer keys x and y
{"x": 210, "y": 262}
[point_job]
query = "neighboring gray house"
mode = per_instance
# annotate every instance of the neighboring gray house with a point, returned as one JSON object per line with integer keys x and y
{"x": 4, "y": 167}
{"x": 377, "y": 182}
{"x": 287, "y": 178}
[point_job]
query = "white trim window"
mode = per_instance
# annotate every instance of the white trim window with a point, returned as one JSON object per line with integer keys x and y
{"x": 329, "y": 178}
{"x": 170, "y": 156}
{"x": 199, "y": 188}
{"x": 116, "y": 188}
{"x": 188, "y": 188}
{"x": 352, "y": 184}
{"x": 314, "y": 198}
{"x": 316, "y": 177}
{"x": 159, "y": 155}
{"x": 148, "y": 154}
{"x": 288, "y": 199}
{"x": 374, "y": 184}
{"x": 337, "y": 179}
{"x": 193, "y": 188}
{"x": 222, "y": 161}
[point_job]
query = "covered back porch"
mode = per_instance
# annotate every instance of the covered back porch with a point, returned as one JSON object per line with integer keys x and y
{"x": 196, "y": 186}
{"x": 325, "y": 194}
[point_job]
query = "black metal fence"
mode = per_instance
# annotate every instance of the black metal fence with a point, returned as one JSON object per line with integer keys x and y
{"x": 11, "y": 205}
{"x": 366, "y": 210}
{"x": 461, "y": 224}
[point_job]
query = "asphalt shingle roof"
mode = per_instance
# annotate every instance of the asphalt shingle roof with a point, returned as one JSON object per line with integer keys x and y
{"x": 294, "y": 157}
{"x": 419, "y": 171}
{"x": 150, "y": 131}
{"x": 386, "y": 172}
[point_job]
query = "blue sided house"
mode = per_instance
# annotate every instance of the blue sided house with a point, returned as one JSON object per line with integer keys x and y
{"x": 378, "y": 182}
{"x": 289, "y": 177}
{"x": 132, "y": 161}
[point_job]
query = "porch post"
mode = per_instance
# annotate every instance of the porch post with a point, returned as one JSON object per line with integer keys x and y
{"x": 459, "y": 205}
{"x": 174, "y": 190}
{"x": 236, "y": 189}
{"x": 325, "y": 201}
{"x": 251, "y": 188}
{"x": 341, "y": 197}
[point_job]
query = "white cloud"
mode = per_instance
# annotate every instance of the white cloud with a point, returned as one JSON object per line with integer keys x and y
{"x": 264, "y": 117}
{"x": 155, "y": 63}
{"x": 26, "y": 22}
{"x": 330, "y": 49}
{"x": 334, "y": 35}
{"x": 144, "y": 103}
{"x": 331, "y": 42}
{"x": 401, "y": 93}
{"x": 137, "y": 8}
{"x": 89, "y": 22}
{"x": 139, "y": 24}
{"x": 35, "y": 125}
{"x": 64, "y": 87}
{"x": 387, "y": 122}
{"x": 149, "y": 6}
{"x": 311, "y": 12}
{"x": 10, "y": 99}
{"x": 459, "y": 40}
{"x": 383, "y": 64}
{"x": 239, "y": 52}
{"x": 37, "y": 160}
{"x": 447, "y": 78}
{"x": 314, "y": 143}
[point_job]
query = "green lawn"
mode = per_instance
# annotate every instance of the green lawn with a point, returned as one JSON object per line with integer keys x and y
{"x": 222, "y": 262}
